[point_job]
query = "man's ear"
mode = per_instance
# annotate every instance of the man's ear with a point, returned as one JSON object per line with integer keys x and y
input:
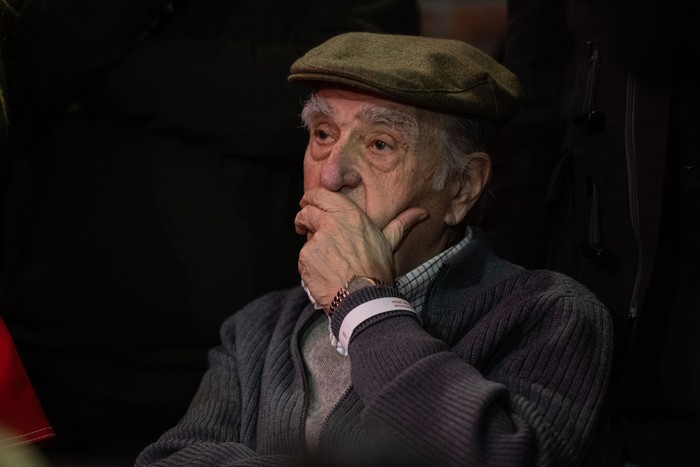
{"x": 467, "y": 187}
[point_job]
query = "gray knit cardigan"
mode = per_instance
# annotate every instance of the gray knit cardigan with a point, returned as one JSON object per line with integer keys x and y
{"x": 506, "y": 367}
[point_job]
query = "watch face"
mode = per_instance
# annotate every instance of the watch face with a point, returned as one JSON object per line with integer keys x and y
{"x": 360, "y": 282}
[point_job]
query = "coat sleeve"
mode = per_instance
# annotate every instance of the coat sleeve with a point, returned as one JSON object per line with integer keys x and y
{"x": 524, "y": 385}
{"x": 212, "y": 432}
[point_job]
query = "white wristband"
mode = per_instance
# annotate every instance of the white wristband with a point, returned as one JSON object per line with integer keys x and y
{"x": 367, "y": 310}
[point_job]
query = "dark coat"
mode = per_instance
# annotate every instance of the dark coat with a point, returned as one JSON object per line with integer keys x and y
{"x": 602, "y": 182}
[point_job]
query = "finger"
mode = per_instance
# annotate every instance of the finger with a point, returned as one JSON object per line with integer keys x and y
{"x": 308, "y": 220}
{"x": 397, "y": 229}
{"x": 326, "y": 200}
{"x": 299, "y": 227}
{"x": 299, "y": 224}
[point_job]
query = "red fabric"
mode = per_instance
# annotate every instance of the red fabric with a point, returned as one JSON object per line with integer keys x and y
{"x": 22, "y": 419}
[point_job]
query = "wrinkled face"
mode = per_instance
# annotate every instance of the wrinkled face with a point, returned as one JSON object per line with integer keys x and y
{"x": 368, "y": 149}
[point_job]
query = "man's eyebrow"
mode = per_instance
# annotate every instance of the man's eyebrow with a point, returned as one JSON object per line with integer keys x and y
{"x": 315, "y": 107}
{"x": 393, "y": 118}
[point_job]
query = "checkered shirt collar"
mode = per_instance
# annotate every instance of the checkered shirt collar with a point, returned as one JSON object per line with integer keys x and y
{"x": 414, "y": 284}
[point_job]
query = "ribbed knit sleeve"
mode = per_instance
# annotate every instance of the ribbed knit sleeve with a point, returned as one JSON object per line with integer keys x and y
{"x": 221, "y": 425}
{"x": 517, "y": 375}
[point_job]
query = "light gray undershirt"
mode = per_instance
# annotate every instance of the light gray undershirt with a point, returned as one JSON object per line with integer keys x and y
{"x": 329, "y": 378}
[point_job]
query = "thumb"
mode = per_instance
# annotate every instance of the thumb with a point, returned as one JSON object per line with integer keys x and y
{"x": 396, "y": 230}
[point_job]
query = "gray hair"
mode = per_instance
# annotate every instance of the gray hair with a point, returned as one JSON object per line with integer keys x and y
{"x": 455, "y": 138}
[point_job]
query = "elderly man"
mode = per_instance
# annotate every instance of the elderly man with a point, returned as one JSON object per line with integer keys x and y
{"x": 439, "y": 352}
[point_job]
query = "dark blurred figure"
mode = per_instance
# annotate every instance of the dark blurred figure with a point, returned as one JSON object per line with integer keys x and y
{"x": 155, "y": 193}
{"x": 600, "y": 180}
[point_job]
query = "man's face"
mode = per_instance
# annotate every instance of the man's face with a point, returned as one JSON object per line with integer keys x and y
{"x": 367, "y": 148}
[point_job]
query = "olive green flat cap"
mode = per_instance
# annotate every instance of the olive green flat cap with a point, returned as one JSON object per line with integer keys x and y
{"x": 438, "y": 74}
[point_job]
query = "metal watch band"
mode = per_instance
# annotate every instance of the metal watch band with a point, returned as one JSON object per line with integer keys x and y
{"x": 343, "y": 292}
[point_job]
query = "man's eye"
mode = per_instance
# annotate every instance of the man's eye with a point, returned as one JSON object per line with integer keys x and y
{"x": 380, "y": 145}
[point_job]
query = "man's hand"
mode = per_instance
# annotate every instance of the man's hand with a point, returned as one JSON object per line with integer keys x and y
{"x": 342, "y": 241}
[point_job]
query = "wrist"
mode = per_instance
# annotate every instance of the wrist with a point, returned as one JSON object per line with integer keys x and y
{"x": 368, "y": 310}
{"x": 354, "y": 284}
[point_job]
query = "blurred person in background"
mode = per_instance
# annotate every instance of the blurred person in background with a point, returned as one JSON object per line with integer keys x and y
{"x": 599, "y": 177}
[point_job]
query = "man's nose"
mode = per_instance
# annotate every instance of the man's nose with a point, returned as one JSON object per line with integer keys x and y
{"x": 339, "y": 169}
